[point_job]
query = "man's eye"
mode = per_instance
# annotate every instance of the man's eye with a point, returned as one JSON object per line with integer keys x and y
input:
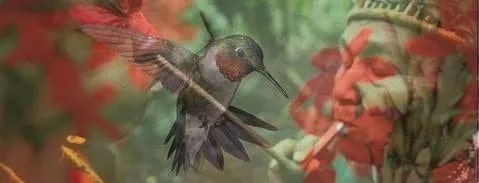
{"x": 239, "y": 52}
{"x": 382, "y": 68}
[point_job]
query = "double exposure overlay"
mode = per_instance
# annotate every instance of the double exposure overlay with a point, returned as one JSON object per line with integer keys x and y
{"x": 251, "y": 91}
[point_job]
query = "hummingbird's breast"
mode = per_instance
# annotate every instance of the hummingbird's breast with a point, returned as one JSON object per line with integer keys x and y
{"x": 214, "y": 81}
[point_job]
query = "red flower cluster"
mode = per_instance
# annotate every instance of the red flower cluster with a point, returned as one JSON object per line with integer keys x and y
{"x": 319, "y": 88}
{"x": 458, "y": 17}
{"x": 368, "y": 134}
{"x": 63, "y": 77}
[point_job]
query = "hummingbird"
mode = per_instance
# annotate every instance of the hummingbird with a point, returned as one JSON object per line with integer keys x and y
{"x": 200, "y": 129}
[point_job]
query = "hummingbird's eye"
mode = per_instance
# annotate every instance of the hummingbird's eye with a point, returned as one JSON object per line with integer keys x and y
{"x": 239, "y": 52}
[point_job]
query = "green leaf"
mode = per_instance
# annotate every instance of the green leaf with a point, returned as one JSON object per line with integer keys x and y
{"x": 372, "y": 96}
{"x": 327, "y": 108}
{"x": 387, "y": 173}
{"x": 452, "y": 150}
{"x": 303, "y": 147}
{"x": 75, "y": 45}
{"x": 20, "y": 93}
{"x": 397, "y": 139}
{"x": 413, "y": 177}
{"x": 8, "y": 42}
{"x": 465, "y": 130}
{"x": 413, "y": 119}
{"x": 457, "y": 141}
{"x": 423, "y": 161}
{"x": 398, "y": 175}
{"x": 450, "y": 87}
{"x": 285, "y": 147}
{"x": 398, "y": 91}
{"x": 424, "y": 157}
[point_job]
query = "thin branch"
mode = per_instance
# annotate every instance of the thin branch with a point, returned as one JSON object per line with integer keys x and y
{"x": 405, "y": 20}
{"x": 80, "y": 163}
{"x": 11, "y": 173}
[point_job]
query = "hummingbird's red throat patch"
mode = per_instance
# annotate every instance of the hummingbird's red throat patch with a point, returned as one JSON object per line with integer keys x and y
{"x": 230, "y": 68}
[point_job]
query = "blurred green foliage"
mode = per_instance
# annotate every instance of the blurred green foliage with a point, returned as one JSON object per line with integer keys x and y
{"x": 290, "y": 32}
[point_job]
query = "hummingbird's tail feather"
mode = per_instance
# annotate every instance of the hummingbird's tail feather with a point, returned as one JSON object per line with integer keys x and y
{"x": 230, "y": 143}
{"x": 211, "y": 150}
{"x": 178, "y": 147}
{"x": 210, "y": 141}
{"x": 250, "y": 119}
{"x": 229, "y": 134}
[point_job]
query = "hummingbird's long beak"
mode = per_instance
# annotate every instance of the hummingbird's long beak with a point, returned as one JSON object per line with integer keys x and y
{"x": 274, "y": 82}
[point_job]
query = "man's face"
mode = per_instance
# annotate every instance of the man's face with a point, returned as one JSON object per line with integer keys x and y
{"x": 370, "y": 89}
{"x": 370, "y": 77}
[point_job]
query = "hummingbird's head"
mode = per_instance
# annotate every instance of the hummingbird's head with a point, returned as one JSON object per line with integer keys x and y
{"x": 239, "y": 55}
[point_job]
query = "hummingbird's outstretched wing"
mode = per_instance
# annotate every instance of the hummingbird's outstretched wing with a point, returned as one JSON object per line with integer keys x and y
{"x": 150, "y": 54}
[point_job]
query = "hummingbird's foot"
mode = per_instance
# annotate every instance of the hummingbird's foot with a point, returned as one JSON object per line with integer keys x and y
{"x": 204, "y": 122}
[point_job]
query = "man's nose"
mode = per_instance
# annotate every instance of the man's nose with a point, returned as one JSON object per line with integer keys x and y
{"x": 346, "y": 94}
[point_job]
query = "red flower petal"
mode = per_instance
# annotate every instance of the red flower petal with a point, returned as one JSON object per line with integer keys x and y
{"x": 354, "y": 146}
{"x": 325, "y": 175}
{"x": 90, "y": 14}
{"x": 104, "y": 94}
{"x": 77, "y": 176}
{"x": 100, "y": 56}
{"x": 129, "y": 6}
{"x": 375, "y": 126}
{"x": 359, "y": 42}
{"x": 468, "y": 104}
{"x": 319, "y": 89}
{"x": 380, "y": 68}
{"x": 140, "y": 79}
{"x": 457, "y": 172}
{"x": 327, "y": 60}
{"x": 430, "y": 45}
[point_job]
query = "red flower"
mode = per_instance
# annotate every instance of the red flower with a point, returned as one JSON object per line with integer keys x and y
{"x": 77, "y": 176}
{"x": 367, "y": 136}
{"x": 318, "y": 168}
{"x": 128, "y": 14}
{"x": 163, "y": 15}
{"x": 457, "y": 172}
{"x": 458, "y": 17}
{"x": 63, "y": 78}
{"x": 122, "y": 13}
{"x": 319, "y": 88}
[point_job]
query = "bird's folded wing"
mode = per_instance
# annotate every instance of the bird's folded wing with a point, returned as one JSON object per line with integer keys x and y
{"x": 154, "y": 56}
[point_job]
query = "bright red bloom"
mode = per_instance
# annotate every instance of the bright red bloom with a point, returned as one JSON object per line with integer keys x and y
{"x": 458, "y": 17}
{"x": 163, "y": 15}
{"x": 457, "y": 172}
{"x": 63, "y": 77}
{"x": 367, "y": 135}
{"x": 77, "y": 176}
{"x": 123, "y": 13}
{"x": 319, "y": 88}
{"x": 128, "y": 14}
